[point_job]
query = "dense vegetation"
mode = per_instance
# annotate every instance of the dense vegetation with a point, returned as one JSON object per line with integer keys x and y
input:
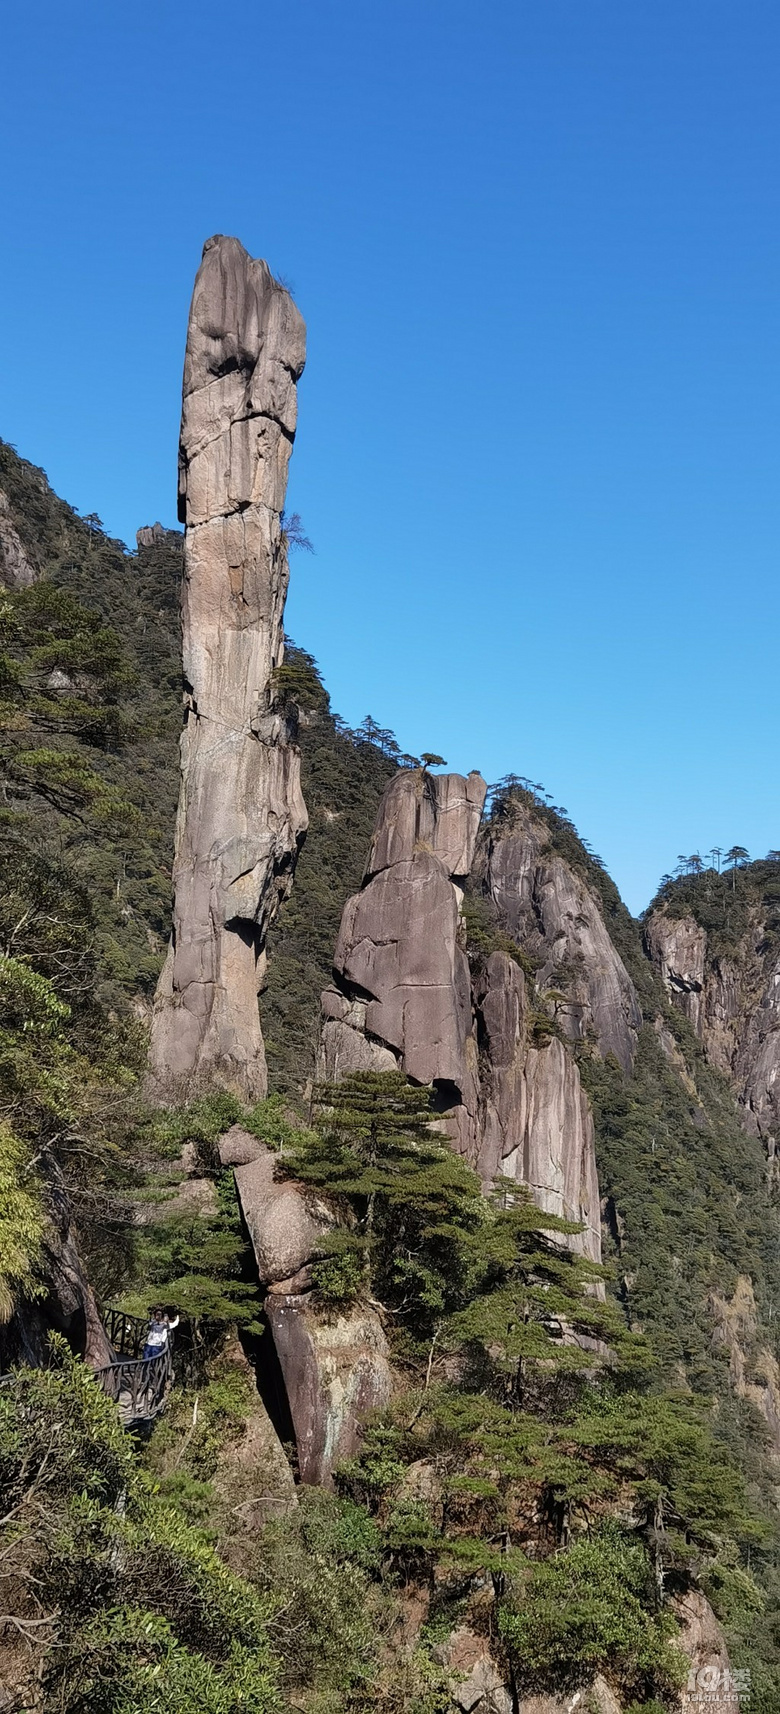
{"x": 534, "y": 1477}
{"x": 727, "y": 902}
{"x": 557, "y": 1465}
{"x": 343, "y": 775}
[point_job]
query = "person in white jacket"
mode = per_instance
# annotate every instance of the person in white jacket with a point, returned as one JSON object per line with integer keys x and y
{"x": 160, "y": 1329}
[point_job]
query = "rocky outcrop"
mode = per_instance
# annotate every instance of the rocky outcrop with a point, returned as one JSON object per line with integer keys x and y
{"x": 677, "y": 947}
{"x": 151, "y": 535}
{"x": 710, "y": 1683}
{"x": 241, "y": 815}
{"x": 405, "y": 995}
{"x": 535, "y": 1121}
{"x": 16, "y": 570}
{"x": 478, "y": 1686}
{"x": 545, "y": 905}
{"x": 753, "y": 1369}
{"x": 401, "y": 994}
{"x": 284, "y": 1223}
{"x": 335, "y": 1369}
{"x": 732, "y": 1001}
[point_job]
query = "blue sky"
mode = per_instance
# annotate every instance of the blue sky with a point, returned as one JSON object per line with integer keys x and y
{"x": 536, "y": 243}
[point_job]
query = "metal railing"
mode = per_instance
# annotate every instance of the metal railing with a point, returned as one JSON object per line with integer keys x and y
{"x": 138, "y": 1388}
{"x": 137, "y": 1385}
{"x": 126, "y": 1333}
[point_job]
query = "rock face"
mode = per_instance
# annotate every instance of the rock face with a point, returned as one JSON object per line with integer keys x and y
{"x": 335, "y": 1370}
{"x": 753, "y": 1369}
{"x": 150, "y": 535}
{"x": 69, "y": 1307}
{"x": 710, "y": 1683}
{"x": 535, "y": 1122}
{"x": 732, "y": 1002}
{"x": 241, "y": 815}
{"x": 16, "y": 572}
{"x": 547, "y": 907}
{"x": 405, "y": 995}
{"x": 402, "y": 989}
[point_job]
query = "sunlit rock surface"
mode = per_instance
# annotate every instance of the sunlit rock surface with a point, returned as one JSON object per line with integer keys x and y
{"x": 241, "y": 814}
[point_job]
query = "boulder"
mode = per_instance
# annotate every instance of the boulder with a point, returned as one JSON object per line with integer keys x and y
{"x": 335, "y": 1370}
{"x": 237, "y": 1147}
{"x": 241, "y": 814}
{"x": 285, "y": 1223}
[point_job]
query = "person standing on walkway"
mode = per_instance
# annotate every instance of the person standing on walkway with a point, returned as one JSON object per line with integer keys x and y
{"x": 160, "y": 1329}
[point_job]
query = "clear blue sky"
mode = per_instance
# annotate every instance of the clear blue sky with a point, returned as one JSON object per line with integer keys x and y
{"x": 537, "y": 246}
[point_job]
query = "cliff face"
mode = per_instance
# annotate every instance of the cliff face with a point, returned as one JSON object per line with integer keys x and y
{"x": 406, "y": 993}
{"x": 730, "y": 995}
{"x": 549, "y": 910}
{"x": 402, "y": 994}
{"x": 241, "y": 814}
{"x": 16, "y": 572}
{"x": 335, "y": 1367}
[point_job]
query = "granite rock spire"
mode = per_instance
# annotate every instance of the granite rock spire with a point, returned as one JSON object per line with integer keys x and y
{"x": 241, "y": 815}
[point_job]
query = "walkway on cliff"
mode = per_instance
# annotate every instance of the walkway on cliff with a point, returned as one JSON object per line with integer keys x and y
{"x": 138, "y": 1387}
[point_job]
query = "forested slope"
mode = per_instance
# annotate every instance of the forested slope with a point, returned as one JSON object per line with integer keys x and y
{"x": 558, "y": 1517}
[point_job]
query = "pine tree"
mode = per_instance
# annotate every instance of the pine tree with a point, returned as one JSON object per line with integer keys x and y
{"x": 412, "y": 1208}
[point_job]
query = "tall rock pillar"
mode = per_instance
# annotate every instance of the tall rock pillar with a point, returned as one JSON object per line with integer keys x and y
{"x": 241, "y": 816}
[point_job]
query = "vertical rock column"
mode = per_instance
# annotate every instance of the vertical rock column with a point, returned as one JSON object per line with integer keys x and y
{"x": 401, "y": 995}
{"x": 404, "y": 995}
{"x": 241, "y": 815}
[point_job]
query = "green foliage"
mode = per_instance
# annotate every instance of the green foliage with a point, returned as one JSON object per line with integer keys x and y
{"x": 414, "y": 1206}
{"x": 690, "y": 1187}
{"x": 201, "y": 1264}
{"x": 588, "y": 1609}
{"x": 343, "y": 776}
{"x": 724, "y": 902}
{"x": 64, "y": 1114}
{"x": 321, "y": 1562}
{"x": 90, "y": 699}
{"x": 142, "y": 1612}
{"x": 204, "y": 1121}
{"x": 22, "y": 1224}
{"x": 297, "y": 680}
{"x": 532, "y": 1447}
{"x": 484, "y": 935}
{"x": 187, "y": 1446}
